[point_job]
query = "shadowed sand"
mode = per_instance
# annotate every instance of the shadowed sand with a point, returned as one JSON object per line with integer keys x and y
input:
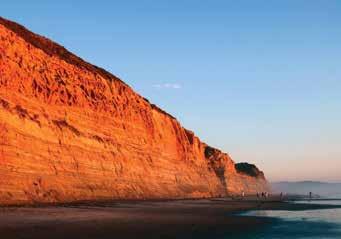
{"x": 211, "y": 218}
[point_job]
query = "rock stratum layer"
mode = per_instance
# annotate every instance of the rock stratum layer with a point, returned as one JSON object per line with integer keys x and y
{"x": 71, "y": 131}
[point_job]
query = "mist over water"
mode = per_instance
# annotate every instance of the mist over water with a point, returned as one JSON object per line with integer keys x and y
{"x": 322, "y": 189}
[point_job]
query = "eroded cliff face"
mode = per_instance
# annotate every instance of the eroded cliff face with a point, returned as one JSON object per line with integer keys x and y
{"x": 71, "y": 131}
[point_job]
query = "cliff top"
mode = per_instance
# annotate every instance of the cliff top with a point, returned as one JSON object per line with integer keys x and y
{"x": 249, "y": 169}
{"x": 54, "y": 49}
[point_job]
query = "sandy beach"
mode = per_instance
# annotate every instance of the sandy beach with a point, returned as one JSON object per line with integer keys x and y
{"x": 209, "y": 218}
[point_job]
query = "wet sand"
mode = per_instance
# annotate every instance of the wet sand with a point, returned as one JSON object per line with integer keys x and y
{"x": 210, "y": 218}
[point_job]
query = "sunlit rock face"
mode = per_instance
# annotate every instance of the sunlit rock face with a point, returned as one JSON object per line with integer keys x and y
{"x": 71, "y": 131}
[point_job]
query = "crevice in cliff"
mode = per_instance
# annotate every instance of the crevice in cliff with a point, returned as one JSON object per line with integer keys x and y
{"x": 216, "y": 163}
{"x": 63, "y": 124}
{"x": 4, "y": 104}
{"x": 190, "y": 136}
{"x": 20, "y": 111}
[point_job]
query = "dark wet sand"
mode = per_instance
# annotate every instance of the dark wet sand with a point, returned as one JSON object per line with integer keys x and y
{"x": 210, "y": 218}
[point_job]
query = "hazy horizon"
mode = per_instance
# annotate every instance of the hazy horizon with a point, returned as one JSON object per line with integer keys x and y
{"x": 300, "y": 181}
{"x": 260, "y": 81}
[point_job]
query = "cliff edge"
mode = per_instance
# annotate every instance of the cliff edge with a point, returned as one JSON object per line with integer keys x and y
{"x": 72, "y": 131}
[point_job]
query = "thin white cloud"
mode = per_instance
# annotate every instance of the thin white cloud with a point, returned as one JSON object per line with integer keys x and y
{"x": 168, "y": 86}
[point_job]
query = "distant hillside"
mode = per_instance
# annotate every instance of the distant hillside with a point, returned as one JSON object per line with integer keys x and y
{"x": 304, "y": 187}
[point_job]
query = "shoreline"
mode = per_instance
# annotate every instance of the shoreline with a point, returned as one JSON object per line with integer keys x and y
{"x": 100, "y": 202}
{"x": 200, "y": 218}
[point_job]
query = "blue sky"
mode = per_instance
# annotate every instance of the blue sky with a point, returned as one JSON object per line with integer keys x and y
{"x": 258, "y": 79}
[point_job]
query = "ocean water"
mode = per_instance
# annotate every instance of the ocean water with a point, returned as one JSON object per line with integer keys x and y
{"x": 307, "y": 224}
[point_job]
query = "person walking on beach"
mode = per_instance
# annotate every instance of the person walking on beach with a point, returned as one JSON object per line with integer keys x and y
{"x": 243, "y": 195}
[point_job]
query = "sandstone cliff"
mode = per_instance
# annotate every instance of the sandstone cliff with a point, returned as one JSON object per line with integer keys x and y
{"x": 72, "y": 131}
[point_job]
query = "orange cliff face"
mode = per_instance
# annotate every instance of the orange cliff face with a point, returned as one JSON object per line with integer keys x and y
{"x": 71, "y": 131}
